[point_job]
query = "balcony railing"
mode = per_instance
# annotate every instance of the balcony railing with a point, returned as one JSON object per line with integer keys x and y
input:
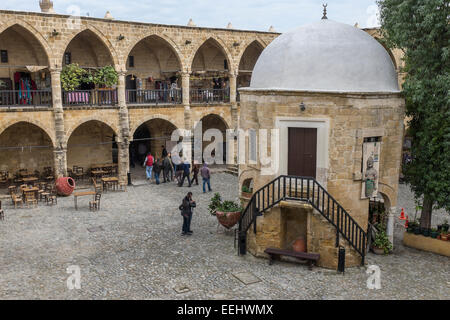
{"x": 25, "y": 98}
{"x": 210, "y": 95}
{"x": 90, "y": 98}
{"x": 170, "y": 96}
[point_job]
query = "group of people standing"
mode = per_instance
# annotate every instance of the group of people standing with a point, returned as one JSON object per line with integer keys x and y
{"x": 168, "y": 165}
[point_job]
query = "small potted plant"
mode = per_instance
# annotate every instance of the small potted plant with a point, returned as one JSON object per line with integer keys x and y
{"x": 444, "y": 236}
{"x": 247, "y": 192}
{"x": 445, "y": 226}
{"x": 228, "y": 213}
{"x": 381, "y": 244}
{"x": 215, "y": 201}
{"x": 412, "y": 226}
{"x": 425, "y": 232}
{"x": 434, "y": 233}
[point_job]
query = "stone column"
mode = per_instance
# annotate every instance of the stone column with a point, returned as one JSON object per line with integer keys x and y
{"x": 60, "y": 151}
{"x": 123, "y": 140}
{"x": 232, "y": 76}
{"x": 185, "y": 84}
{"x": 390, "y": 224}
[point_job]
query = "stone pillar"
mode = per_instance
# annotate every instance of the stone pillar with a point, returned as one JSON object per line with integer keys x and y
{"x": 60, "y": 151}
{"x": 123, "y": 140}
{"x": 185, "y": 84}
{"x": 232, "y": 76}
{"x": 390, "y": 224}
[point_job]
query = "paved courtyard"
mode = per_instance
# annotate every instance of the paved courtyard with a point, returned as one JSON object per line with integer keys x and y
{"x": 133, "y": 249}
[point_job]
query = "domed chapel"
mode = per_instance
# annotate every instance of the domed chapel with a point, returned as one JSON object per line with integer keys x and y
{"x": 328, "y": 95}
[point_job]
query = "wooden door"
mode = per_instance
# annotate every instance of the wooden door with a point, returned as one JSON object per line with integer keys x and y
{"x": 302, "y": 152}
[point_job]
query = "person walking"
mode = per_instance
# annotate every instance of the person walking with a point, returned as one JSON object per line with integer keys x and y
{"x": 206, "y": 176}
{"x": 164, "y": 152}
{"x": 148, "y": 164}
{"x": 186, "y": 173}
{"x": 167, "y": 167}
{"x": 186, "y": 211}
{"x": 157, "y": 168}
{"x": 195, "y": 171}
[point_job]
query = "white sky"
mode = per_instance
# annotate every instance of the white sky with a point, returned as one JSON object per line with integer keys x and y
{"x": 284, "y": 15}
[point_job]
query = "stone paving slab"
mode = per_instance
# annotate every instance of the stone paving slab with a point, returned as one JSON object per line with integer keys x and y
{"x": 139, "y": 253}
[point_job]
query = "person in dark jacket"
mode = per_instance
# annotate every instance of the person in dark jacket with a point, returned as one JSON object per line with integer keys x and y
{"x": 186, "y": 173}
{"x": 186, "y": 212}
{"x": 164, "y": 152}
{"x": 195, "y": 171}
{"x": 157, "y": 168}
{"x": 167, "y": 167}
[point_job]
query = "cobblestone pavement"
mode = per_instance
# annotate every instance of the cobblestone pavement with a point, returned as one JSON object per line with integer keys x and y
{"x": 133, "y": 249}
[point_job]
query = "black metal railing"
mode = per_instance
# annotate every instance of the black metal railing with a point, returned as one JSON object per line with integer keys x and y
{"x": 305, "y": 189}
{"x": 209, "y": 95}
{"x": 169, "y": 96}
{"x": 25, "y": 98}
{"x": 97, "y": 97}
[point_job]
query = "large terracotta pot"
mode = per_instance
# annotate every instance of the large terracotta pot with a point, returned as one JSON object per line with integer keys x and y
{"x": 228, "y": 219}
{"x": 65, "y": 186}
{"x": 299, "y": 245}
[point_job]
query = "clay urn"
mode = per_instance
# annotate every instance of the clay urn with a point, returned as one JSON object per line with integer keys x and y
{"x": 299, "y": 244}
{"x": 65, "y": 186}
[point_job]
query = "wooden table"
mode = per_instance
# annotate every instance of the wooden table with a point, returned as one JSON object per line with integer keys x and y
{"x": 97, "y": 173}
{"x": 82, "y": 194}
{"x": 34, "y": 189}
{"x": 113, "y": 180}
{"x": 30, "y": 180}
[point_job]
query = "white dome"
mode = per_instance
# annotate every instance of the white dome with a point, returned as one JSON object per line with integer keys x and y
{"x": 325, "y": 56}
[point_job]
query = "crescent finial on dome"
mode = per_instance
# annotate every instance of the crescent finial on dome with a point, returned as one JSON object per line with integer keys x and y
{"x": 325, "y": 11}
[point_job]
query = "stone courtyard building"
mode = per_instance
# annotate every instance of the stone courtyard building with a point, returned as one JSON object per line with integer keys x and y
{"x": 43, "y": 126}
{"x": 332, "y": 92}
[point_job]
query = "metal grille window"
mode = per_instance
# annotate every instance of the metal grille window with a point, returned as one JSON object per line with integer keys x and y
{"x": 67, "y": 58}
{"x": 4, "y": 56}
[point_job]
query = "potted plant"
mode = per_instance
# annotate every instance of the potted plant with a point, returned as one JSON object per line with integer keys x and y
{"x": 106, "y": 76}
{"x": 247, "y": 192}
{"x": 381, "y": 244}
{"x": 434, "y": 233}
{"x": 228, "y": 213}
{"x": 444, "y": 236}
{"x": 412, "y": 226}
{"x": 425, "y": 232}
{"x": 72, "y": 75}
{"x": 215, "y": 201}
{"x": 445, "y": 226}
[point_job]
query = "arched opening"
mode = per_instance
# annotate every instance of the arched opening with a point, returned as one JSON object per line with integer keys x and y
{"x": 88, "y": 51}
{"x": 151, "y": 136}
{"x": 209, "y": 81}
{"x": 26, "y": 150}
{"x": 213, "y": 121}
{"x": 24, "y": 76}
{"x": 155, "y": 66}
{"x": 247, "y": 63}
{"x": 91, "y": 145}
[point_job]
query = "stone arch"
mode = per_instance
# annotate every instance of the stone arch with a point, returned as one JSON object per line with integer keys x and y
{"x": 245, "y": 47}
{"x": 222, "y": 47}
{"x": 32, "y": 121}
{"x": 80, "y": 122}
{"x": 35, "y": 33}
{"x": 105, "y": 41}
{"x": 149, "y": 118}
{"x": 388, "y": 194}
{"x": 214, "y": 114}
{"x": 170, "y": 43}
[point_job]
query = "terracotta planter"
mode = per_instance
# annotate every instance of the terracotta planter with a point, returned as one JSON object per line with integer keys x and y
{"x": 65, "y": 186}
{"x": 228, "y": 219}
{"x": 444, "y": 237}
{"x": 378, "y": 251}
{"x": 299, "y": 245}
{"x": 246, "y": 195}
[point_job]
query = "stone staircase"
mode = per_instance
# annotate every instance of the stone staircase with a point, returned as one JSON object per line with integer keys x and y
{"x": 232, "y": 169}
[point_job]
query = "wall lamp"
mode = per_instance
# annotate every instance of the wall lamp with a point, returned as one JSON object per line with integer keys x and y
{"x": 121, "y": 37}
{"x": 236, "y": 44}
{"x": 55, "y": 33}
{"x": 302, "y": 106}
{"x": 188, "y": 42}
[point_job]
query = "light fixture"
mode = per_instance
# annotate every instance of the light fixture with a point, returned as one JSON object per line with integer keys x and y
{"x": 188, "y": 42}
{"x": 55, "y": 33}
{"x": 302, "y": 106}
{"x": 120, "y": 37}
{"x": 236, "y": 44}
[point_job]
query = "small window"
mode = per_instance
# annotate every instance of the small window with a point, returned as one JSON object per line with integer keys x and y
{"x": 67, "y": 58}
{"x": 131, "y": 61}
{"x": 4, "y": 56}
{"x": 225, "y": 64}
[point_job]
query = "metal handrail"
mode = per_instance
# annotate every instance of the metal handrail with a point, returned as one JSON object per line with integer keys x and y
{"x": 25, "y": 98}
{"x": 305, "y": 189}
{"x": 106, "y": 97}
{"x": 166, "y": 96}
{"x": 209, "y": 95}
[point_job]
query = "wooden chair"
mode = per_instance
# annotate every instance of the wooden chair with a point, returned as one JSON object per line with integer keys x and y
{"x": 16, "y": 200}
{"x": 95, "y": 204}
{"x": 78, "y": 172}
{"x": 52, "y": 198}
{"x": 12, "y": 189}
{"x": 4, "y": 178}
{"x": 42, "y": 188}
{"x": 2, "y": 214}
{"x": 123, "y": 186}
{"x": 97, "y": 188}
{"x": 30, "y": 198}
